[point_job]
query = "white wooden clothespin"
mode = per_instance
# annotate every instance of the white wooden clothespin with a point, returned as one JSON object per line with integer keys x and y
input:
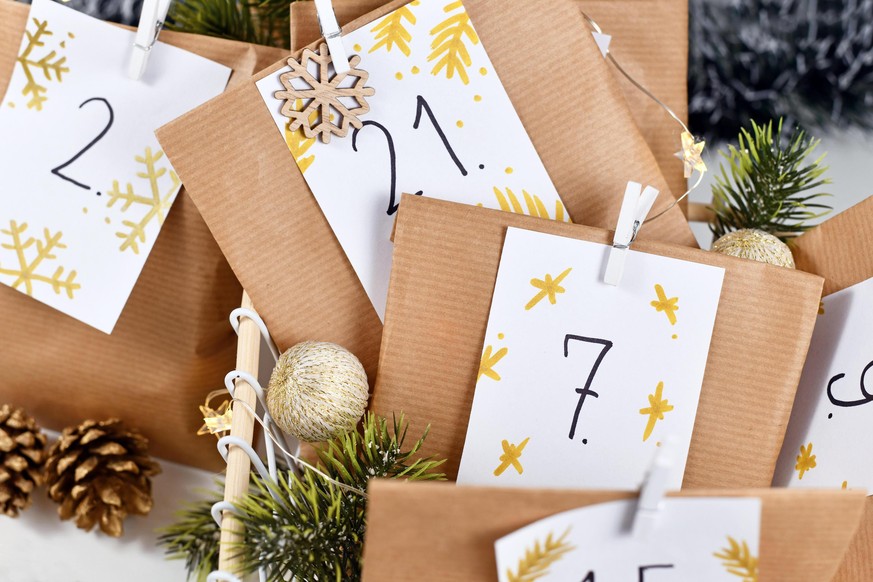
{"x": 654, "y": 489}
{"x": 333, "y": 35}
{"x": 634, "y": 209}
{"x": 151, "y": 21}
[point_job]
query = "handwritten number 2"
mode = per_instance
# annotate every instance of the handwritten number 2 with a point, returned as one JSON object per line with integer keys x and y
{"x": 392, "y": 159}
{"x": 586, "y": 391}
{"x": 57, "y": 171}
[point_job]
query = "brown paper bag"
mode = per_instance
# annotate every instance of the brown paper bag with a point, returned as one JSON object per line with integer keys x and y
{"x": 248, "y": 188}
{"x": 839, "y": 251}
{"x": 430, "y": 355}
{"x": 436, "y": 531}
{"x": 650, "y": 40}
{"x": 172, "y": 344}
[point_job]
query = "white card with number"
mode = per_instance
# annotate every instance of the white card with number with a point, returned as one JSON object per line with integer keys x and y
{"x": 86, "y": 186}
{"x": 711, "y": 539}
{"x": 579, "y": 381}
{"x": 828, "y": 441}
{"x": 440, "y": 124}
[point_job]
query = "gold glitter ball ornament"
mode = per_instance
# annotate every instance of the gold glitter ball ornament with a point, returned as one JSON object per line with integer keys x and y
{"x": 317, "y": 391}
{"x": 757, "y": 245}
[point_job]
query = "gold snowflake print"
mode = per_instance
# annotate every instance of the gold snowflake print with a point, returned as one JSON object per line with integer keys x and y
{"x": 548, "y": 288}
{"x": 510, "y": 457}
{"x": 27, "y": 273}
{"x": 805, "y": 460}
{"x": 656, "y": 409}
{"x": 323, "y": 95}
{"x": 297, "y": 142}
{"x": 668, "y": 306}
{"x": 534, "y": 206}
{"x": 156, "y": 202}
{"x": 488, "y": 361}
{"x": 31, "y": 65}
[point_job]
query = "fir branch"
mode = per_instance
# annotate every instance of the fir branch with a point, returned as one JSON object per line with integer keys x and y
{"x": 264, "y": 22}
{"x": 765, "y": 184}
{"x": 304, "y": 525}
{"x": 194, "y": 537}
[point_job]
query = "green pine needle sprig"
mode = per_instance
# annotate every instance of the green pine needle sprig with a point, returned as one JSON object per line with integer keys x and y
{"x": 305, "y": 526}
{"x": 767, "y": 183}
{"x": 265, "y": 22}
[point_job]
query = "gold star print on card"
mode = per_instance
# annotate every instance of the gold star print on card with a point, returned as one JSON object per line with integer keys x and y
{"x": 805, "y": 460}
{"x": 510, "y": 456}
{"x": 548, "y": 288}
{"x": 488, "y": 361}
{"x": 668, "y": 306}
{"x": 656, "y": 409}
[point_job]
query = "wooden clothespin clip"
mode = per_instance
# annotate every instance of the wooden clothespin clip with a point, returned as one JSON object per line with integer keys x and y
{"x": 654, "y": 489}
{"x": 151, "y": 21}
{"x": 333, "y": 35}
{"x": 634, "y": 209}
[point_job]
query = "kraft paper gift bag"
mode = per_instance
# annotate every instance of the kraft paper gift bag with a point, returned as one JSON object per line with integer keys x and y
{"x": 839, "y": 251}
{"x": 245, "y": 181}
{"x": 172, "y": 344}
{"x": 437, "y": 531}
{"x": 649, "y": 40}
{"x": 445, "y": 265}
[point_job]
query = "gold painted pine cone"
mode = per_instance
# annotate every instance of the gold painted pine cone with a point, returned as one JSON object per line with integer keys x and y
{"x": 100, "y": 472}
{"x": 22, "y": 451}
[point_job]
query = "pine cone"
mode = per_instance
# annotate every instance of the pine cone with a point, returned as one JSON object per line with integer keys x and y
{"x": 22, "y": 451}
{"x": 100, "y": 472}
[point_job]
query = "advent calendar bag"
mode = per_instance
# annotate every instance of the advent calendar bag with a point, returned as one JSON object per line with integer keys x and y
{"x": 839, "y": 251}
{"x": 649, "y": 40}
{"x": 445, "y": 266}
{"x": 289, "y": 256}
{"x": 803, "y": 534}
{"x": 172, "y": 344}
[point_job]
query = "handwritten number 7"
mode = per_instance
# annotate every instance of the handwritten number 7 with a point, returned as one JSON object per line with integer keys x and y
{"x": 57, "y": 171}
{"x": 586, "y": 391}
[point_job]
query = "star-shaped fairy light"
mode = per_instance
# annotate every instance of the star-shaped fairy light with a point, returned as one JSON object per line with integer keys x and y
{"x": 691, "y": 153}
{"x": 215, "y": 420}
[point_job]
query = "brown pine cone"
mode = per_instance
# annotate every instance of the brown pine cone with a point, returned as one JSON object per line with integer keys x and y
{"x": 22, "y": 452}
{"x": 100, "y": 472}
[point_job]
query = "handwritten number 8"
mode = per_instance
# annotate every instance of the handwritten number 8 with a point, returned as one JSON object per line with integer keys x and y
{"x": 57, "y": 171}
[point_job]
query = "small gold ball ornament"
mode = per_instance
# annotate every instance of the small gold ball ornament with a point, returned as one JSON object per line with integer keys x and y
{"x": 757, "y": 245}
{"x": 317, "y": 391}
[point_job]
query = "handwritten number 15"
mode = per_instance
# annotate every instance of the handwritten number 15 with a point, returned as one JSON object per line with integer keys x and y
{"x": 422, "y": 106}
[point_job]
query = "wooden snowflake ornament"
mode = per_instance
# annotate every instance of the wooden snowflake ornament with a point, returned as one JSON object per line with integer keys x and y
{"x": 331, "y": 103}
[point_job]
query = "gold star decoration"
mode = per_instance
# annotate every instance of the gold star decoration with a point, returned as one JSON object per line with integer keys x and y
{"x": 548, "y": 288}
{"x": 690, "y": 154}
{"x": 215, "y": 420}
{"x": 805, "y": 460}
{"x": 668, "y": 306}
{"x": 657, "y": 408}
{"x": 510, "y": 456}
{"x": 488, "y": 361}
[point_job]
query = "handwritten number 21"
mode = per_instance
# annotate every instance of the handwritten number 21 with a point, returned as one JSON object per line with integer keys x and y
{"x": 422, "y": 106}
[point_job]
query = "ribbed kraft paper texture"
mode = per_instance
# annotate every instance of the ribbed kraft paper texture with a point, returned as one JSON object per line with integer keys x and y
{"x": 173, "y": 343}
{"x": 440, "y": 532}
{"x": 246, "y": 184}
{"x": 446, "y": 257}
{"x": 841, "y": 251}
{"x": 649, "y": 40}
